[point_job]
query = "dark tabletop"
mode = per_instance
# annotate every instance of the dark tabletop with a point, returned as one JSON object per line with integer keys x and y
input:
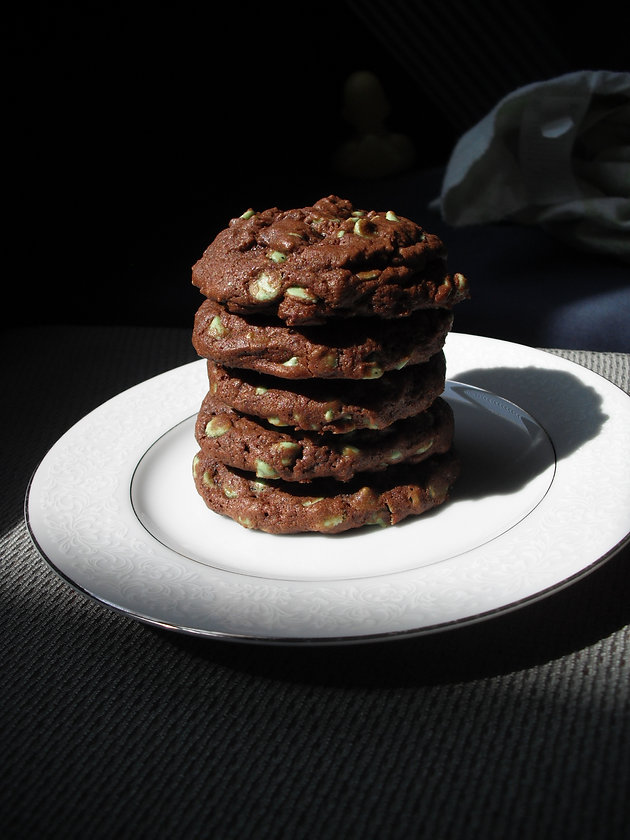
{"x": 516, "y": 727}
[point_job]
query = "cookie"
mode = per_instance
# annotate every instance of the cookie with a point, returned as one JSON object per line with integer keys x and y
{"x": 329, "y": 260}
{"x": 249, "y": 444}
{"x": 325, "y": 506}
{"x": 333, "y": 405}
{"x": 360, "y": 348}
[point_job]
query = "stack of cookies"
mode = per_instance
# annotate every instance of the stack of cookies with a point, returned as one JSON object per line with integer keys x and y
{"x": 323, "y": 329}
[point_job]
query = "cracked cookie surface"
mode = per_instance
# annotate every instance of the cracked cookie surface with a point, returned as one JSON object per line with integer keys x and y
{"x": 310, "y": 264}
{"x": 325, "y": 506}
{"x": 333, "y": 405}
{"x": 254, "y": 446}
{"x": 360, "y": 348}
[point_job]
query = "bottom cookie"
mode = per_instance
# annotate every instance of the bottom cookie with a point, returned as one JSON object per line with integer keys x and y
{"x": 325, "y": 506}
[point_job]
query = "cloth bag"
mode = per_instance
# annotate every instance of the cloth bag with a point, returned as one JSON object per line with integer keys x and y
{"x": 554, "y": 153}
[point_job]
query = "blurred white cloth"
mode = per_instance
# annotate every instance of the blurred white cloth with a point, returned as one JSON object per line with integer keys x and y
{"x": 554, "y": 153}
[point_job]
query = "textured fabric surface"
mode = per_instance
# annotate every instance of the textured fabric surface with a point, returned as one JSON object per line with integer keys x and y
{"x": 518, "y": 727}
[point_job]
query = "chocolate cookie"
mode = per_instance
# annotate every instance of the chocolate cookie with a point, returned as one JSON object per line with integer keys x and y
{"x": 254, "y": 446}
{"x": 333, "y": 405}
{"x": 329, "y": 260}
{"x": 325, "y": 505}
{"x": 360, "y": 348}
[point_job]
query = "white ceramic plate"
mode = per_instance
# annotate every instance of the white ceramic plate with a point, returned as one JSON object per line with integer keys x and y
{"x": 544, "y": 497}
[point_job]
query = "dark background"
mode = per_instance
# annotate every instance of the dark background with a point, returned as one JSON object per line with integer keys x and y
{"x": 136, "y": 131}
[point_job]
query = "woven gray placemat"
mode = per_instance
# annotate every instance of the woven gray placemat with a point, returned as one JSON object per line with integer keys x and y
{"x": 515, "y": 728}
{"x": 612, "y": 366}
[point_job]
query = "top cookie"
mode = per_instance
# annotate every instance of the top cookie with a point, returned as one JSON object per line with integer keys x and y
{"x": 329, "y": 260}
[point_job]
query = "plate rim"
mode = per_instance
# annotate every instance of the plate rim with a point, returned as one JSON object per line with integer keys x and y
{"x": 313, "y": 641}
